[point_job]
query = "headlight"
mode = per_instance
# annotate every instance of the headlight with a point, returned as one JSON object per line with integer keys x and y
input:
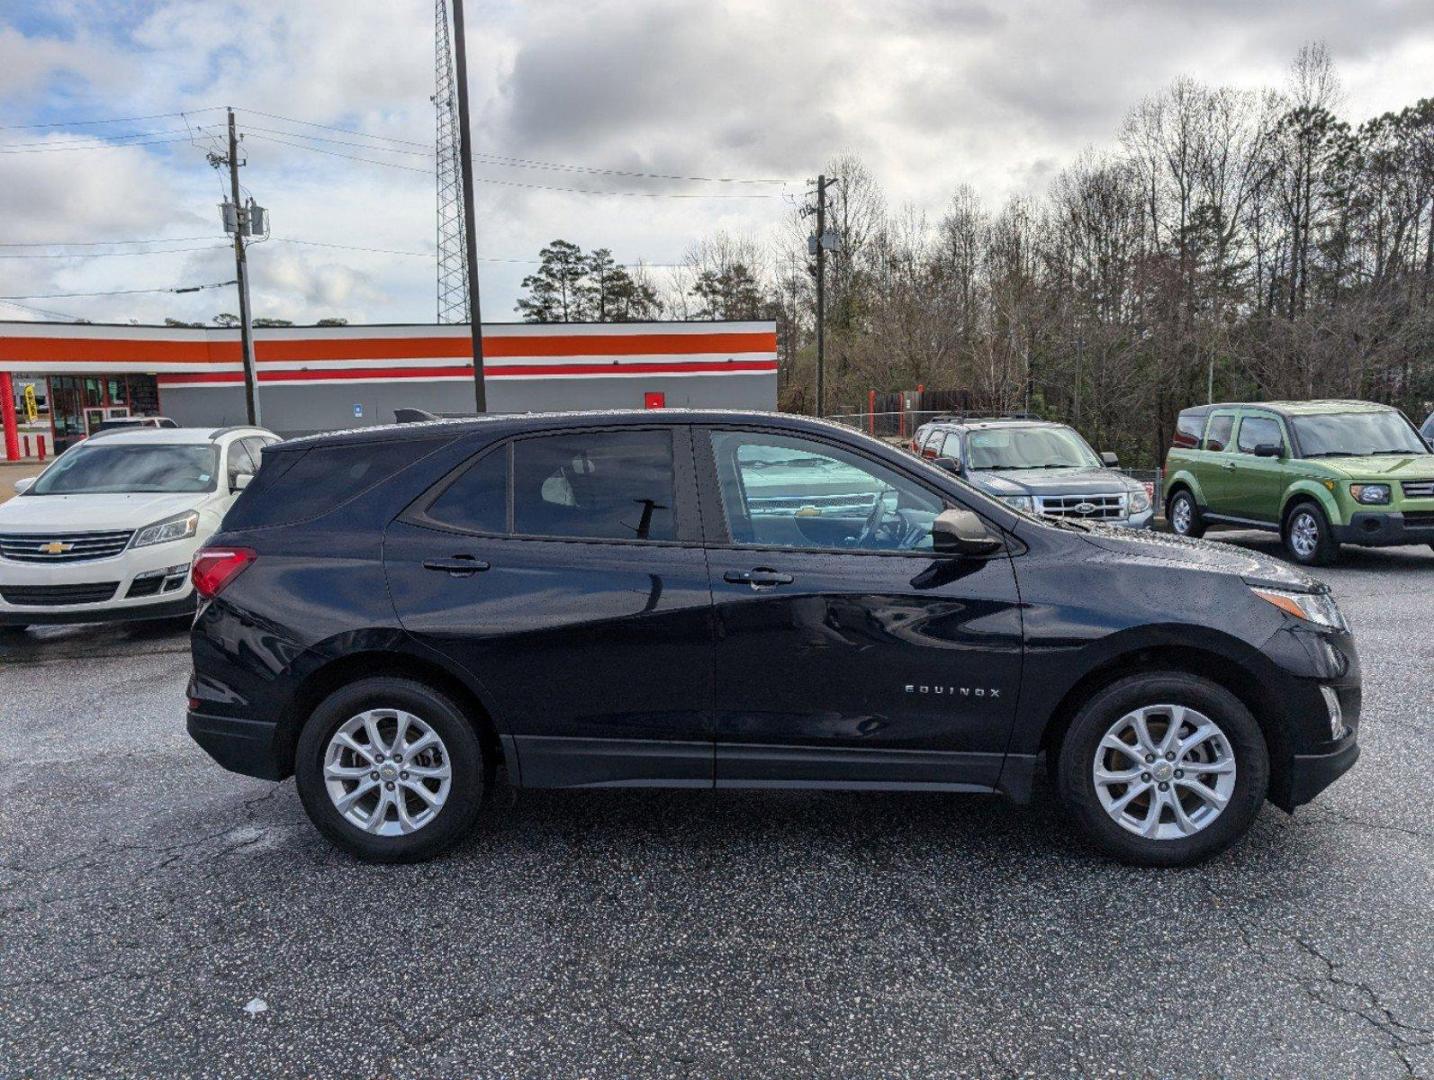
{"x": 179, "y": 527}
{"x": 1139, "y": 501}
{"x": 1017, "y": 502}
{"x": 1318, "y": 608}
{"x": 1370, "y": 494}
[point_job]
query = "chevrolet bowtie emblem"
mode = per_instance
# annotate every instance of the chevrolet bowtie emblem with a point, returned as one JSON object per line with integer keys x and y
{"x": 56, "y": 547}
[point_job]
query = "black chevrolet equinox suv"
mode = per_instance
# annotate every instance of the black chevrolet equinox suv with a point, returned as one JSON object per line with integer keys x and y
{"x": 721, "y": 599}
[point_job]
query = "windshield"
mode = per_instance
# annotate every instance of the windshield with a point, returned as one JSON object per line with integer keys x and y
{"x": 1356, "y": 434}
{"x": 1028, "y": 448}
{"x": 99, "y": 469}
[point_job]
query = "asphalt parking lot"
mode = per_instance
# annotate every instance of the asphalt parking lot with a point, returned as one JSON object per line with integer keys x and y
{"x": 149, "y": 897}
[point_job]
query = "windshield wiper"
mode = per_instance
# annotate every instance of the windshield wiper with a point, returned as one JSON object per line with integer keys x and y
{"x": 1375, "y": 453}
{"x": 1335, "y": 453}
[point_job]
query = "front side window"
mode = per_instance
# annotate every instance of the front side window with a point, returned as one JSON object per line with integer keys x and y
{"x": 781, "y": 491}
{"x": 1217, "y": 435}
{"x": 608, "y": 485}
{"x": 239, "y": 461}
{"x": 1356, "y": 435}
{"x": 99, "y": 469}
{"x": 1259, "y": 431}
{"x": 1029, "y": 448}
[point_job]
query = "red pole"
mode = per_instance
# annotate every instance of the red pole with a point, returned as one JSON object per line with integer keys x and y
{"x": 871, "y": 412}
{"x": 7, "y": 410}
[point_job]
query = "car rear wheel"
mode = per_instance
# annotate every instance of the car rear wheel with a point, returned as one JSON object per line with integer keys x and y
{"x": 1184, "y": 515}
{"x": 1163, "y": 769}
{"x": 1308, "y": 537}
{"x": 390, "y": 770}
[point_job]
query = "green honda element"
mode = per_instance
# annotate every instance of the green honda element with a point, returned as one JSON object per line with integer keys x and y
{"x": 1321, "y": 473}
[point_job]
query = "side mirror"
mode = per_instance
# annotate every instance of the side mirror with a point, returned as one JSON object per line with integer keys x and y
{"x": 960, "y": 532}
{"x": 23, "y": 485}
{"x": 1270, "y": 450}
{"x": 241, "y": 481}
{"x": 950, "y": 464}
{"x": 1109, "y": 460}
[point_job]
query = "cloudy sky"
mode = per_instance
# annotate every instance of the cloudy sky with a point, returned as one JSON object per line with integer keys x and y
{"x": 931, "y": 95}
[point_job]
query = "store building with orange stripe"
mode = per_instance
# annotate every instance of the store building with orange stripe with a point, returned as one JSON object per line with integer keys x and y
{"x": 315, "y": 378}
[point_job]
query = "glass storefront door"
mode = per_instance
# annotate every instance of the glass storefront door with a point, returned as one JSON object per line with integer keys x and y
{"x": 79, "y": 402}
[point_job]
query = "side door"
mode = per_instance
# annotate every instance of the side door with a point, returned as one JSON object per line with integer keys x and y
{"x": 1260, "y": 481}
{"x": 1216, "y": 464}
{"x": 565, "y": 572}
{"x": 847, "y": 652}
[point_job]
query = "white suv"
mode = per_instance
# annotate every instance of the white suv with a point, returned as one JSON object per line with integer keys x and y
{"x": 108, "y": 530}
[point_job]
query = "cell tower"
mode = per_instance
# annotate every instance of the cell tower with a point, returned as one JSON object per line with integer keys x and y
{"x": 452, "y": 244}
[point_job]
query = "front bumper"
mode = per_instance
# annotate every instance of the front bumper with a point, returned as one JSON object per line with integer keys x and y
{"x": 1312, "y": 773}
{"x": 137, "y": 584}
{"x": 1387, "y": 528}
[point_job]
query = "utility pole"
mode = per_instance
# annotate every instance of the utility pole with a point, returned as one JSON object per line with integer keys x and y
{"x": 470, "y": 228}
{"x": 821, "y": 293}
{"x": 241, "y": 275}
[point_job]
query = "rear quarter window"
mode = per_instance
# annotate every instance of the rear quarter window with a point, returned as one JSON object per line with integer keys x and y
{"x": 297, "y": 485}
{"x": 1189, "y": 427}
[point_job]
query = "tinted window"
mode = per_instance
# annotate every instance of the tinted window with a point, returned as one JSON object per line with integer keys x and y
{"x": 478, "y": 500}
{"x": 611, "y": 485}
{"x": 298, "y": 484}
{"x": 144, "y": 467}
{"x": 1188, "y": 429}
{"x": 781, "y": 491}
{"x": 1259, "y": 431}
{"x": 1217, "y": 435}
{"x": 239, "y": 460}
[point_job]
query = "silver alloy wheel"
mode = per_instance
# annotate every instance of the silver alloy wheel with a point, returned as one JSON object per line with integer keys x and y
{"x": 1304, "y": 534}
{"x": 1164, "y": 771}
{"x": 1180, "y": 515}
{"x": 387, "y": 772}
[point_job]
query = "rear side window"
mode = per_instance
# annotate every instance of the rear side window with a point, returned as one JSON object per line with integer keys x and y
{"x": 1188, "y": 429}
{"x": 299, "y": 485}
{"x": 610, "y": 485}
{"x": 478, "y": 500}
{"x": 1217, "y": 435}
{"x": 1259, "y": 431}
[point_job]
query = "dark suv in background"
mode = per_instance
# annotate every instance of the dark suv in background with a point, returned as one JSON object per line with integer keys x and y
{"x": 1036, "y": 466}
{"x": 699, "y": 600}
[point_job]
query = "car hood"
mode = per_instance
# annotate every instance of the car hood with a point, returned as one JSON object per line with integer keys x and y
{"x": 1090, "y": 481}
{"x": 1207, "y": 555}
{"x": 75, "y": 513}
{"x": 1386, "y": 466}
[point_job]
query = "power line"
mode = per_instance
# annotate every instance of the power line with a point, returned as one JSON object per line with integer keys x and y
{"x": 91, "y": 140}
{"x": 96, "y": 146}
{"x": 330, "y": 127}
{"x": 112, "y": 254}
{"x": 107, "y": 243}
{"x": 346, "y": 157}
{"x": 110, "y": 120}
{"x": 117, "y": 292}
{"x": 44, "y": 311}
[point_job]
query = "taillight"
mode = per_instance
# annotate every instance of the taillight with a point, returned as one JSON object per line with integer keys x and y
{"x": 214, "y": 568}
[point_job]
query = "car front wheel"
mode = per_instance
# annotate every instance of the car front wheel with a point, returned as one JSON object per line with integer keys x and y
{"x": 1308, "y": 537}
{"x": 1184, "y": 516}
{"x": 1163, "y": 769}
{"x": 390, "y": 770}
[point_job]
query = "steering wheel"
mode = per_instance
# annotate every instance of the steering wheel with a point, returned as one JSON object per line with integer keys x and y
{"x": 872, "y": 525}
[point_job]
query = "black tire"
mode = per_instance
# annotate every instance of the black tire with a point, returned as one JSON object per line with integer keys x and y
{"x": 1075, "y": 780}
{"x": 1325, "y": 551}
{"x": 1187, "y": 511}
{"x": 465, "y": 759}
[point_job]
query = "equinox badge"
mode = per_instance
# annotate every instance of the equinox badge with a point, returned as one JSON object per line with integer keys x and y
{"x": 955, "y": 691}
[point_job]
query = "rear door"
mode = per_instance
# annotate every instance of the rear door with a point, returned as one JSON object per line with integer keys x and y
{"x": 847, "y": 652}
{"x": 565, "y": 572}
{"x": 1216, "y": 464}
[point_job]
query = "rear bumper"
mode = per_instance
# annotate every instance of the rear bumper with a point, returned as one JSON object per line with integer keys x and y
{"x": 130, "y": 612}
{"x": 1385, "y": 529}
{"x": 250, "y": 747}
{"x": 1312, "y": 773}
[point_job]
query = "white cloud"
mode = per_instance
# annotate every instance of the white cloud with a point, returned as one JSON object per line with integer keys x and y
{"x": 930, "y": 93}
